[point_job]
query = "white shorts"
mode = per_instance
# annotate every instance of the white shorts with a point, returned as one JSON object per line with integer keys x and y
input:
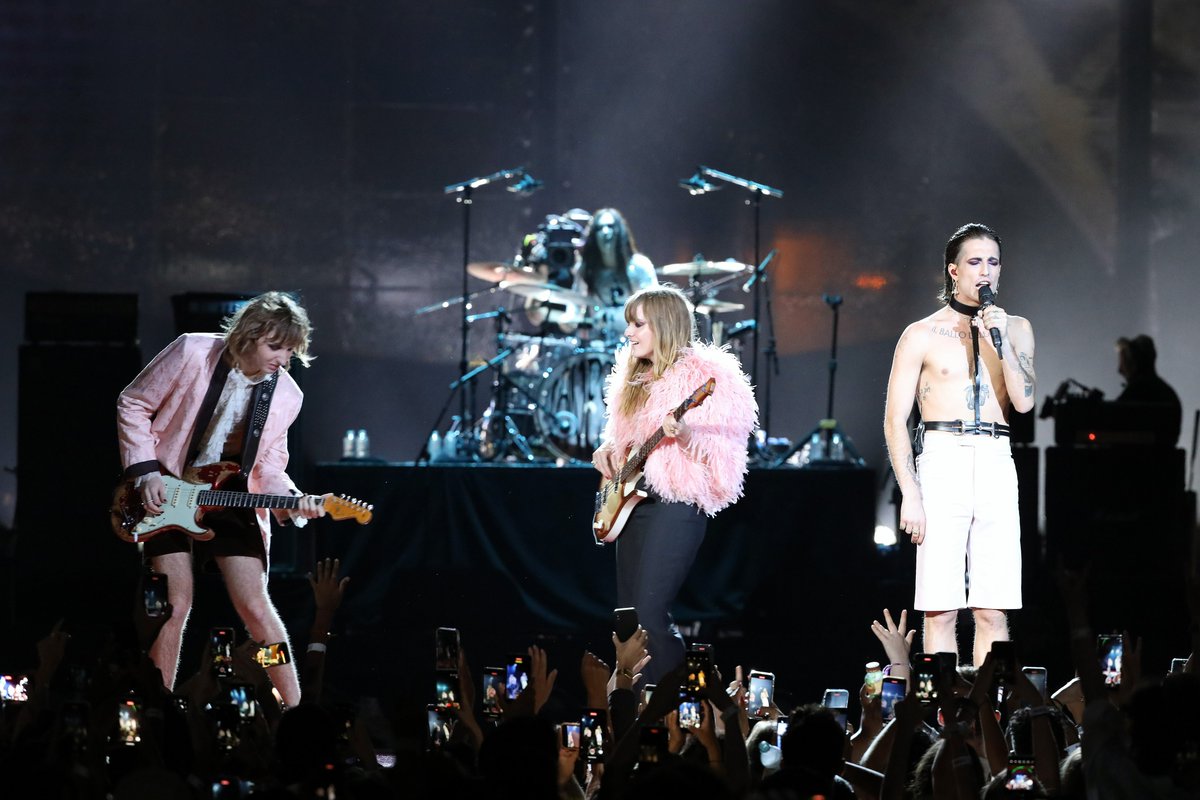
{"x": 972, "y": 524}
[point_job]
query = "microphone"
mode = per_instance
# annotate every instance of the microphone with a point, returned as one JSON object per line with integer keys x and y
{"x": 526, "y": 186}
{"x": 988, "y": 298}
{"x": 758, "y": 271}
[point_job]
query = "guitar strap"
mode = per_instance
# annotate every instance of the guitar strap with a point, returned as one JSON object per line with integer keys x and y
{"x": 260, "y": 402}
{"x": 215, "y": 384}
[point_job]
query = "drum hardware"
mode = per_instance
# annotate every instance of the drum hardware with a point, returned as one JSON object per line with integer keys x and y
{"x": 711, "y": 305}
{"x": 549, "y": 303}
{"x": 497, "y": 271}
{"x": 699, "y": 266}
{"x": 760, "y": 286}
{"x": 454, "y": 300}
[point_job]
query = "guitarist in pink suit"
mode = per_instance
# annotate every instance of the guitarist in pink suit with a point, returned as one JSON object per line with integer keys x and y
{"x": 695, "y": 471}
{"x": 204, "y": 399}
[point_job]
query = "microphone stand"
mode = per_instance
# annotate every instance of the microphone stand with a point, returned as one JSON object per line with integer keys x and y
{"x": 757, "y": 192}
{"x": 463, "y": 192}
{"x": 828, "y": 431}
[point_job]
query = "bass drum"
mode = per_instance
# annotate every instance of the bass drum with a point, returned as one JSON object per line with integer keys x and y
{"x": 571, "y": 404}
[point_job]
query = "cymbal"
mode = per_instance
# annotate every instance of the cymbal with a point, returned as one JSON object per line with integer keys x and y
{"x": 496, "y": 271}
{"x": 703, "y": 268}
{"x": 711, "y": 305}
{"x": 547, "y": 292}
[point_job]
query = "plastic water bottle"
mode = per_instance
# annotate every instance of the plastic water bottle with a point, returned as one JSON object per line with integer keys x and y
{"x": 434, "y": 447}
{"x": 451, "y": 439}
{"x": 837, "y": 449}
{"x": 348, "y": 445}
{"x": 362, "y": 445}
{"x": 816, "y": 447}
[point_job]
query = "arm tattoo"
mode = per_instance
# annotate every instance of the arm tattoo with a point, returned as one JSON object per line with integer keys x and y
{"x": 1025, "y": 364}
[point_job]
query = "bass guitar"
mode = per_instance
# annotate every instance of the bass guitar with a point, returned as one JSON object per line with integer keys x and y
{"x": 618, "y": 495}
{"x": 189, "y": 497}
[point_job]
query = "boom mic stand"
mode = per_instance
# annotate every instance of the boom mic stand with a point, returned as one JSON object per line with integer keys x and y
{"x": 464, "y": 191}
{"x": 698, "y": 184}
{"x": 829, "y": 446}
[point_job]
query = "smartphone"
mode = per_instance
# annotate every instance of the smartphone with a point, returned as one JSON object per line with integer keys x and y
{"x": 781, "y": 726}
{"x": 1111, "y": 651}
{"x": 129, "y": 722}
{"x": 242, "y": 697}
{"x": 762, "y": 693}
{"x": 838, "y": 701}
{"x": 699, "y": 665}
{"x": 1037, "y": 676}
{"x": 1021, "y": 776}
{"x": 446, "y": 645}
{"x": 569, "y": 735}
{"x": 493, "y": 685}
{"x": 1004, "y": 661}
{"x": 154, "y": 593}
{"x": 647, "y": 693}
{"x": 593, "y": 732}
{"x": 1177, "y": 665}
{"x": 446, "y": 690}
{"x": 439, "y": 726}
{"x": 14, "y": 688}
{"x": 689, "y": 714}
{"x": 227, "y": 721}
{"x": 891, "y": 690}
{"x": 873, "y": 678}
{"x": 925, "y": 674}
{"x": 221, "y": 646}
{"x": 272, "y": 655}
{"x": 625, "y": 623}
{"x": 652, "y": 744}
{"x": 516, "y": 676}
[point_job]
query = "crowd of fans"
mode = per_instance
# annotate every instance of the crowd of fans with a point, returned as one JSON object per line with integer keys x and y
{"x": 107, "y": 727}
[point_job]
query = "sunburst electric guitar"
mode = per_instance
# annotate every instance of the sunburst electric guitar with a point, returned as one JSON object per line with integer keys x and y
{"x": 188, "y": 498}
{"x": 619, "y": 494}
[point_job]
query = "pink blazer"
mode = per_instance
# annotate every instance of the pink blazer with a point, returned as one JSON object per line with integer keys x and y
{"x": 156, "y": 416}
{"x": 709, "y": 472}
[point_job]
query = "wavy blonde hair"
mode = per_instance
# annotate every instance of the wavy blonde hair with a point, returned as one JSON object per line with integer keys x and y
{"x": 274, "y": 317}
{"x": 671, "y": 317}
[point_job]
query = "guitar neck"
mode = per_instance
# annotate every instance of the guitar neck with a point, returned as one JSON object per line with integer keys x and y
{"x": 634, "y": 463}
{"x": 224, "y": 499}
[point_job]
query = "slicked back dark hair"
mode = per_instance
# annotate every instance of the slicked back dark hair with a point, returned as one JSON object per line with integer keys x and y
{"x": 972, "y": 230}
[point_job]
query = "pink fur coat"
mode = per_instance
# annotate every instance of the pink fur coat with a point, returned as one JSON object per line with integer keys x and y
{"x": 710, "y": 470}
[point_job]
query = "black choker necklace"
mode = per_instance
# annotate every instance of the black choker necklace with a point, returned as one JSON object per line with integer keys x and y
{"x": 963, "y": 308}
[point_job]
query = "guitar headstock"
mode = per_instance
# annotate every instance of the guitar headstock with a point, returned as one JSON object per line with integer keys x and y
{"x": 701, "y": 394}
{"x": 342, "y": 507}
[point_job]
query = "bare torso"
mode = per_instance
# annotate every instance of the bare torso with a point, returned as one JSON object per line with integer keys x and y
{"x": 945, "y": 386}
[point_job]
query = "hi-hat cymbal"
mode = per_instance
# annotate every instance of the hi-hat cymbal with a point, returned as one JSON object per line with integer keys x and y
{"x": 703, "y": 268}
{"x": 496, "y": 271}
{"x": 711, "y": 305}
{"x": 546, "y": 292}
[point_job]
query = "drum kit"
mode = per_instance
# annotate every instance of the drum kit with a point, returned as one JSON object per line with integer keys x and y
{"x": 547, "y": 401}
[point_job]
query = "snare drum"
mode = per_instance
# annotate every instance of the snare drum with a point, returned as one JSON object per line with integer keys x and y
{"x": 570, "y": 414}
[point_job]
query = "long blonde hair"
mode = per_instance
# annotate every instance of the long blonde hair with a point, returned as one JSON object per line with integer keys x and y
{"x": 671, "y": 318}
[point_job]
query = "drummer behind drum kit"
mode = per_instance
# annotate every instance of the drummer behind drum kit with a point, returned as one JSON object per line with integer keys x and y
{"x": 547, "y": 402}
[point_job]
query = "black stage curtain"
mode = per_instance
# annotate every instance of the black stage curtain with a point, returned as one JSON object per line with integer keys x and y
{"x": 484, "y": 537}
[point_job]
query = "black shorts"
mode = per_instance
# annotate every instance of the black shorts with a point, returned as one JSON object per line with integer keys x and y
{"x": 236, "y": 533}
